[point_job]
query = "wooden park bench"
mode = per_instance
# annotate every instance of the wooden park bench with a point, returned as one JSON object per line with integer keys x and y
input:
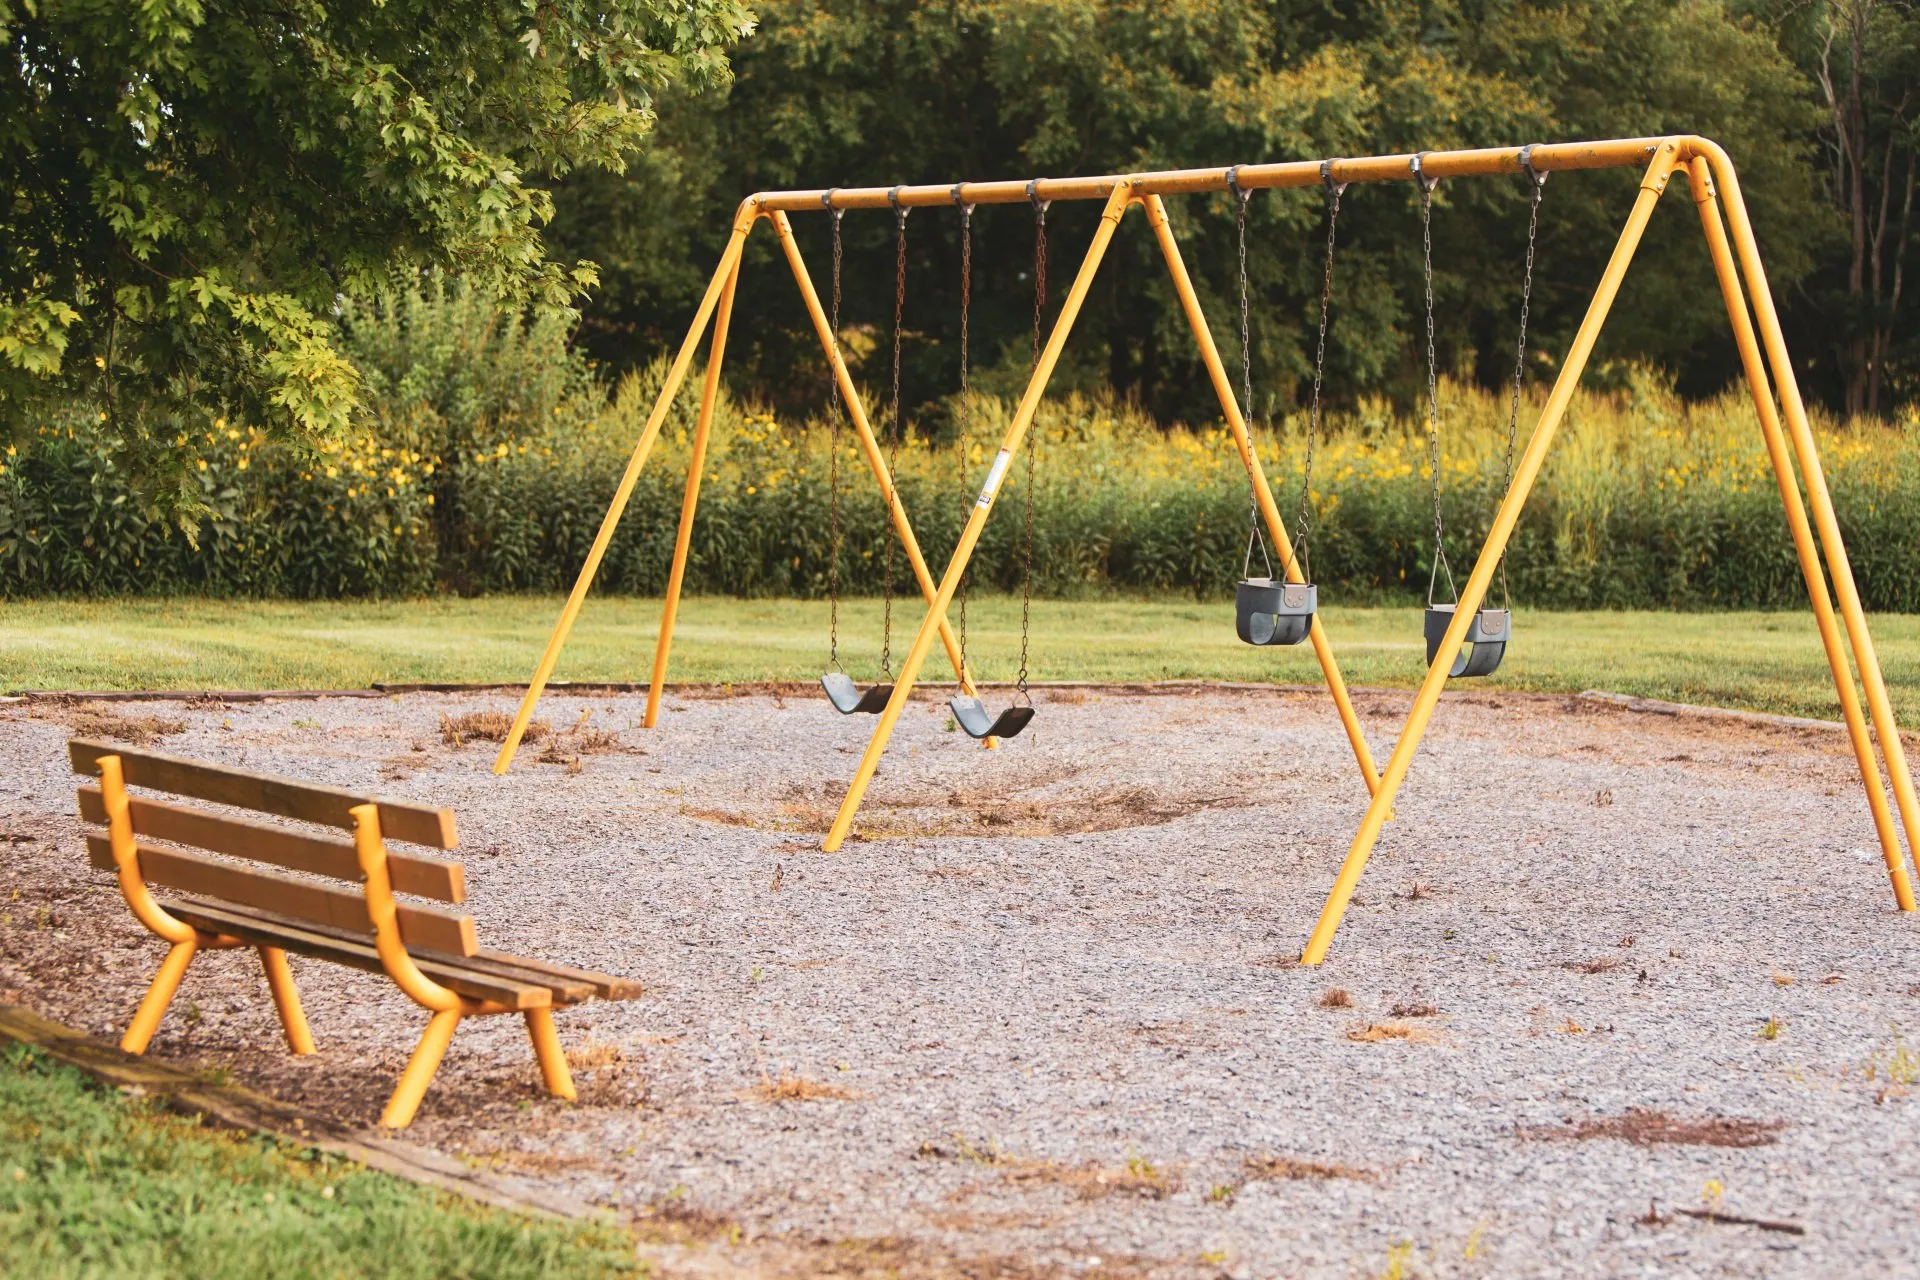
{"x": 430, "y": 953}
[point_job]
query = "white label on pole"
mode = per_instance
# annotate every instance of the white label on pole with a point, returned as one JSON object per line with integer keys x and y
{"x": 994, "y": 477}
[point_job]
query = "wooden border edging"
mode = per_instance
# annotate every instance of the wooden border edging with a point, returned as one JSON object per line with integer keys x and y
{"x": 236, "y": 1107}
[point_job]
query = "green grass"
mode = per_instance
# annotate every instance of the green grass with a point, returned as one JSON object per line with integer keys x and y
{"x": 95, "y": 1184}
{"x": 1763, "y": 661}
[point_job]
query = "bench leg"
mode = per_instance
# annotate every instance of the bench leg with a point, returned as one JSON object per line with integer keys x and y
{"x": 286, "y": 999}
{"x": 546, "y": 1048}
{"x": 420, "y": 1069}
{"x": 153, "y": 1007}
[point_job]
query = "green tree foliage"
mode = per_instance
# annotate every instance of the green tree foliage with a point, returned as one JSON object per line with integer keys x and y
{"x": 191, "y": 184}
{"x": 853, "y": 92}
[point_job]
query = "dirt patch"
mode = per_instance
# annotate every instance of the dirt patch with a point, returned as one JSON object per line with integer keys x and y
{"x": 791, "y": 1088}
{"x": 969, "y": 813}
{"x": 95, "y": 721}
{"x": 1093, "y": 1181}
{"x": 1646, "y": 1128}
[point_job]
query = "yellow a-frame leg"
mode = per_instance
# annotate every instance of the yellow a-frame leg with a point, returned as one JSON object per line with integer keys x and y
{"x": 1800, "y": 431}
{"x": 1700, "y": 178}
{"x": 676, "y": 373}
{"x": 1269, "y": 512}
{"x": 1655, "y": 182}
{"x": 1116, "y": 209}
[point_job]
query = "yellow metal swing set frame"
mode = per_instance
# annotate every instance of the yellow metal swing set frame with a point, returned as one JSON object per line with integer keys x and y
{"x": 1782, "y": 415}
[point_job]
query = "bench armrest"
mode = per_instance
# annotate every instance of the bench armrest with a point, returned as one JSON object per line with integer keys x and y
{"x": 384, "y": 914}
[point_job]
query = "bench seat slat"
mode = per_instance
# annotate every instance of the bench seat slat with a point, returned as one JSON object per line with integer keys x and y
{"x": 604, "y": 985}
{"x": 329, "y": 806}
{"x": 264, "y": 928}
{"x": 285, "y": 895}
{"x": 435, "y": 878}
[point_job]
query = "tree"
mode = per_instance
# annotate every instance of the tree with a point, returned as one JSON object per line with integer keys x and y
{"x": 190, "y": 184}
{"x": 1865, "y": 58}
{"x": 854, "y": 92}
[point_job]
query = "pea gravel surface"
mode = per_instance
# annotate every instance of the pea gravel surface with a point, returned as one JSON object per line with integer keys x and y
{"x": 1620, "y": 994}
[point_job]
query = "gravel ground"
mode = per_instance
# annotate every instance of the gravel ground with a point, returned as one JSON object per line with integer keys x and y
{"x": 1044, "y": 1019}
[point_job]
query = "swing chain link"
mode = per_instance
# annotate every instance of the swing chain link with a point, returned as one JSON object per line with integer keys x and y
{"x": 833, "y": 451}
{"x": 1440, "y": 564}
{"x": 1241, "y": 198}
{"x": 961, "y": 422}
{"x": 900, "y": 212}
{"x": 1536, "y": 182}
{"x": 1039, "y": 311}
{"x": 1334, "y": 190}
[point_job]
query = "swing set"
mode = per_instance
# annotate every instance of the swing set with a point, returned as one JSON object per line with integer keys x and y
{"x": 1465, "y": 636}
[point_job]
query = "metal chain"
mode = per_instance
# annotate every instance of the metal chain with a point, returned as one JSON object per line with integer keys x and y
{"x": 1334, "y": 190}
{"x": 893, "y": 445}
{"x": 1254, "y": 535}
{"x": 961, "y": 418}
{"x": 833, "y": 457}
{"x": 1538, "y": 181}
{"x": 1033, "y": 439}
{"x": 1433, "y": 389}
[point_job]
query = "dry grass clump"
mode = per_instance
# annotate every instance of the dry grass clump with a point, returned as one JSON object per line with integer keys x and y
{"x": 1273, "y": 1168}
{"x": 1413, "y": 1009}
{"x": 1336, "y": 998}
{"x": 1644, "y": 1127}
{"x": 1090, "y": 1181}
{"x": 787, "y": 1087}
{"x": 597, "y": 1055}
{"x": 1599, "y": 964}
{"x": 487, "y": 726}
{"x": 141, "y": 731}
{"x": 1374, "y": 1032}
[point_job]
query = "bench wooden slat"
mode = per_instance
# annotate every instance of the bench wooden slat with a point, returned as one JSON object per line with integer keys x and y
{"x": 329, "y": 806}
{"x": 435, "y": 878}
{"x": 284, "y": 895}
{"x": 514, "y": 969}
{"x": 604, "y": 985}
{"x": 324, "y": 943}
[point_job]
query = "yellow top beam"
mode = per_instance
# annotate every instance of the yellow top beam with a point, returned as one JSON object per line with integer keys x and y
{"x": 1552, "y": 157}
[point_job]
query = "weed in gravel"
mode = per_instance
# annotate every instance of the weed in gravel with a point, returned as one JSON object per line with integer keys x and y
{"x": 1374, "y": 1032}
{"x": 487, "y": 726}
{"x": 1599, "y": 964}
{"x": 1770, "y": 1029}
{"x": 959, "y": 1147}
{"x": 1782, "y": 979}
{"x": 787, "y": 1087}
{"x": 1271, "y": 1168}
{"x": 141, "y": 731}
{"x": 1336, "y": 998}
{"x": 1645, "y": 1127}
{"x": 1418, "y": 890}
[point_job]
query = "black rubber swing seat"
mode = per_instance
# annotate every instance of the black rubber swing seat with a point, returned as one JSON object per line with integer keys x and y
{"x": 1268, "y": 612}
{"x": 1486, "y": 642}
{"x": 971, "y": 715}
{"x": 847, "y": 697}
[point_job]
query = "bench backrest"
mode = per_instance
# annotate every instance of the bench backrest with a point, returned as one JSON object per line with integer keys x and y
{"x": 188, "y": 834}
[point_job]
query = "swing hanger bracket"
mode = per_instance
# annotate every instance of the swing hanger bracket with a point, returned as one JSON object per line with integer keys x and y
{"x": 1417, "y": 165}
{"x": 1335, "y": 188}
{"x": 1240, "y": 193}
{"x": 1537, "y": 176}
{"x": 826, "y": 202}
{"x": 900, "y": 211}
{"x": 1040, "y": 206}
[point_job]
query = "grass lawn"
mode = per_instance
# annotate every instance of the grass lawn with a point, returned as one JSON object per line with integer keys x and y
{"x": 1764, "y": 661}
{"x": 95, "y": 1184}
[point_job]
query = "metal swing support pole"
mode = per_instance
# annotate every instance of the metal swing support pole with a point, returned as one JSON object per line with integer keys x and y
{"x": 1671, "y": 154}
{"x": 1800, "y": 431}
{"x": 723, "y": 274}
{"x": 1269, "y": 511}
{"x": 1700, "y": 178}
{"x": 1119, "y": 196}
{"x": 1666, "y": 156}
